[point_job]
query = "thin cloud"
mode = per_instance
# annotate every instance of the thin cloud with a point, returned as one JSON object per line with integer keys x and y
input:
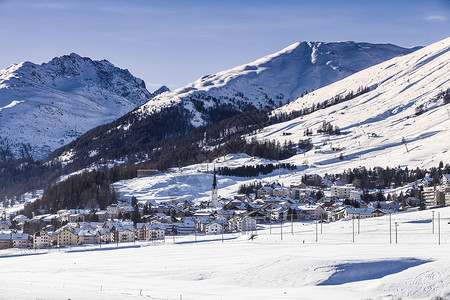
{"x": 51, "y": 5}
{"x": 436, "y": 18}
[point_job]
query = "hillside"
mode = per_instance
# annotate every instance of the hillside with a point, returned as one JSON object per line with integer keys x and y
{"x": 43, "y": 107}
{"x": 263, "y": 84}
{"x": 275, "y": 79}
{"x": 402, "y": 120}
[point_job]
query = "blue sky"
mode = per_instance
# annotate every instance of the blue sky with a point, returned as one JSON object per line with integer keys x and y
{"x": 175, "y": 42}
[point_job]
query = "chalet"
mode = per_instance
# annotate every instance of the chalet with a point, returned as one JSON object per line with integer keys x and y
{"x": 336, "y": 214}
{"x": 297, "y": 185}
{"x": 445, "y": 180}
{"x": 309, "y": 212}
{"x": 226, "y": 214}
{"x": 377, "y": 213}
{"x": 5, "y": 241}
{"x": 213, "y": 228}
{"x": 358, "y": 213}
{"x": 5, "y": 224}
{"x": 20, "y": 240}
{"x": 88, "y": 225}
{"x": 88, "y": 236}
{"x": 265, "y": 191}
{"x": 427, "y": 181}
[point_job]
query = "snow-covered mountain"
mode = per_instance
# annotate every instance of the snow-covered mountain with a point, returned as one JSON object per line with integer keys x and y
{"x": 43, "y": 107}
{"x": 403, "y": 119}
{"x": 279, "y": 77}
{"x": 274, "y": 79}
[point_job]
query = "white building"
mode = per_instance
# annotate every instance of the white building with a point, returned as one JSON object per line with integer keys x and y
{"x": 242, "y": 224}
{"x": 342, "y": 192}
{"x": 247, "y": 224}
{"x": 19, "y": 240}
{"x": 88, "y": 236}
{"x": 429, "y": 195}
{"x": 41, "y": 240}
{"x": 213, "y": 228}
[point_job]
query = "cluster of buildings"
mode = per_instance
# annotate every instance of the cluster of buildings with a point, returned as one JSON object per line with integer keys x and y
{"x": 436, "y": 194}
{"x": 241, "y": 213}
{"x": 81, "y": 233}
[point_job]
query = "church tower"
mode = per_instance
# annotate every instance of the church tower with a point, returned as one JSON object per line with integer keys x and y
{"x": 214, "y": 197}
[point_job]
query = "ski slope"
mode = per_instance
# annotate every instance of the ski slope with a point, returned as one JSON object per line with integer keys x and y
{"x": 378, "y": 128}
{"x": 291, "y": 266}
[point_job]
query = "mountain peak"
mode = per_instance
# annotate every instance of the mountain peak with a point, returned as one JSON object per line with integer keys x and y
{"x": 275, "y": 79}
{"x": 64, "y": 97}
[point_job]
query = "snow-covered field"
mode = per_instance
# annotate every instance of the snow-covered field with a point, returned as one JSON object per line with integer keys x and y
{"x": 194, "y": 182}
{"x": 272, "y": 266}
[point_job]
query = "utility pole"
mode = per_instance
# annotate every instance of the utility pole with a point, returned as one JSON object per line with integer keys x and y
{"x": 432, "y": 221}
{"x": 316, "y": 232}
{"x": 270, "y": 220}
{"x": 281, "y": 229}
{"x": 359, "y": 218}
{"x": 292, "y": 224}
{"x": 223, "y": 228}
{"x": 439, "y": 228}
{"x": 173, "y": 232}
{"x": 353, "y": 228}
{"x": 396, "y": 225}
{"x": 195, "y": 230}
{"x": 321, "y": 223}
{"x": 390, "y": 229}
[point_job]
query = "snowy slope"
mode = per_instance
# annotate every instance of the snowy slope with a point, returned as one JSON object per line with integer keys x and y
{"x": 398, "y": 86}
{"x": 374, "y": 124}
{"x": 43, "y": 107}
{"x": 275, "y": 79}
{"x": 293, "y": 266}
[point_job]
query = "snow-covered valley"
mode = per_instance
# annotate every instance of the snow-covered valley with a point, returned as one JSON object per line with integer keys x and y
{"x": 272, "y": 266}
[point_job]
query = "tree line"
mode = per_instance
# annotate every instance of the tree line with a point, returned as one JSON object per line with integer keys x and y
{"x": 254, "y": 171}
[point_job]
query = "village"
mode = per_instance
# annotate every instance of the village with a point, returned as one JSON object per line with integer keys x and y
{"x": 271, "y": 204}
